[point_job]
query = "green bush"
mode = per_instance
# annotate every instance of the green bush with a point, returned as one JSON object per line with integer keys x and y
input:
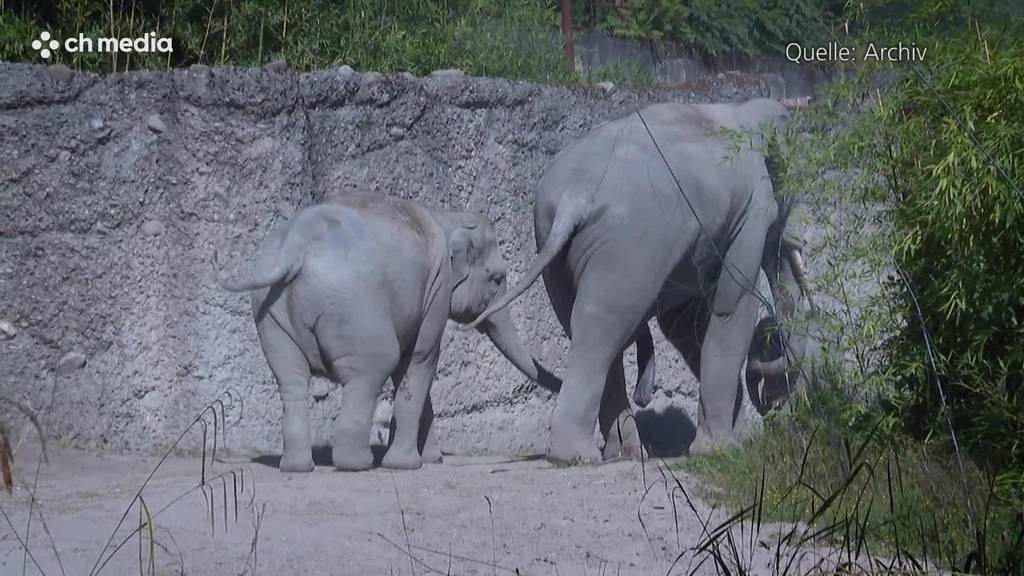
{"x": 956, "y": 169}
{"x": 517, "y": 39}
{"x": 715, "y": 26}
{"x": 510, "y": 38}
{"x": 931, "y": 161}
{"x": 865, "y": 489}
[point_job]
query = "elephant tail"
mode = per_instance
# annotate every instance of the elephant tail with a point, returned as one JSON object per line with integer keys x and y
{"x": 566, "y": 219}
{"x": 283, "y": 271}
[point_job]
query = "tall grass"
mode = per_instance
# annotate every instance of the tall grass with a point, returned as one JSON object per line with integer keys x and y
{"x": 516, "y": 39}
{"x": 224, "y": 495}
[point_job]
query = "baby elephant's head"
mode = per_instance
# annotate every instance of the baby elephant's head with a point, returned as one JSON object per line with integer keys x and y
{"x": 478, "y": 279}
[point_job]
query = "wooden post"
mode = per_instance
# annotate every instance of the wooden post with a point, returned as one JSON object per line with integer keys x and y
{"x": 570, "y": 48}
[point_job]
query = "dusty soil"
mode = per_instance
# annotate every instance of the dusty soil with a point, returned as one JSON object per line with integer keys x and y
{"x": 539, "y": 519}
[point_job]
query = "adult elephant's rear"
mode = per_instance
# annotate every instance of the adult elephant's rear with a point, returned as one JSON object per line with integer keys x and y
{"x": 621, "y": 241}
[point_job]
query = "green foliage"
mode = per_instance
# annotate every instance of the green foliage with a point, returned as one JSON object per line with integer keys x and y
{"x": 889, "y": 495}
{"x": 516, "y": 39}
{"x": 915, "y": 182}
{"x": 510, "y": 38}
{"x": 956, "y": 161}
{"x": 714, "y": 26}
{"x": 623, "y": 73}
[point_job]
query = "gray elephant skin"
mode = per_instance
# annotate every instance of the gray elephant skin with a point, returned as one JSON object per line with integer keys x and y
{"x": 359, "y": 288}
{"x": 657, "y": 214}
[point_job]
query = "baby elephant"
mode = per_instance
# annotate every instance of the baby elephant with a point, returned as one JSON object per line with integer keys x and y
{"x": 359, "y": 289}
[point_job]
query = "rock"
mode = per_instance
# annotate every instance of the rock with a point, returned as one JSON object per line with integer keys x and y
{"x": 607, "y": 86}
{"x": 449, "y": 72}
{"x": 155, "y": 124}
{"x": 199, "y": 68}
{"x": 345, "y": 71}
{"x": 7, "y": 330}
{"x": 371, "y": 77}
{"x": 152, "y": 401}
{"x": 96, "y": 123}
{"x": 319, "y": 388}
{"x": 407, "y": 75}
{"x": 153, "y": 228}
{"x": 63, "y": 156}
{"x": 70, "y": 362}
{"x": 397, "y": 132}
{"x": 276, "y": 66}
{"x": 59, "y": 72}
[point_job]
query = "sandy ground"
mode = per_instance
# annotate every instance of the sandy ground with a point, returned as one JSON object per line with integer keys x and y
{"x": 539, "y": 519}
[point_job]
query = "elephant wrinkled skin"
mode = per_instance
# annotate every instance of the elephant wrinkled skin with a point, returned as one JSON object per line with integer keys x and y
{"x": 619, "y": 242}
{"x": 359, "y": 288}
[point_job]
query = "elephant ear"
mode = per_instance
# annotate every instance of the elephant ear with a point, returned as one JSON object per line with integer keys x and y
{"x": 464, "y": 252}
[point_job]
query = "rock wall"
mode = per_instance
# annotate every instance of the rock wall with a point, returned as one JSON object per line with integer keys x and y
{"x": 115, "y": 190}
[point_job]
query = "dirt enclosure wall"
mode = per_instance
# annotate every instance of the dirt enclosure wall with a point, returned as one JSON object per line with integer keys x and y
{"x": 114, "y": 191}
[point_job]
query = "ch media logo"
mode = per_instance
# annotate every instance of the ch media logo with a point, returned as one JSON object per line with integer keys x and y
{"x": 45, "y": 45}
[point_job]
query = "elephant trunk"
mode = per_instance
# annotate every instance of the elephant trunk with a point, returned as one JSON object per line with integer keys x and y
{"x": 499, "y": 328}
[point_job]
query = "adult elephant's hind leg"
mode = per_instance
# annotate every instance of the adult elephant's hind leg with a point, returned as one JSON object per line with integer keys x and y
{"x": 291, "y": 370}
{"x": 616, "y": 421}
{"x": 604, "y": 315}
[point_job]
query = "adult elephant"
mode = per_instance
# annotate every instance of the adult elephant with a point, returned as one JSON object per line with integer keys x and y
{"x": 359, "y": 288}
{"x": 657, "y": 214}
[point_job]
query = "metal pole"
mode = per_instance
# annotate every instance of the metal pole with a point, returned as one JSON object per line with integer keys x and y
{"x": 570, "y": 48}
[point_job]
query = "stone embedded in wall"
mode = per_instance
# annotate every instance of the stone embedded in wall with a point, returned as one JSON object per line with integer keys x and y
{"x": 7, "y": 330}
{"x": 70, "y": 362}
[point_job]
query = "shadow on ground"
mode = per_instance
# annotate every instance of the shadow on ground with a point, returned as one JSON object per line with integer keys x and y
{"x": 667, "y": 433}
{"x": 321, "y": 456}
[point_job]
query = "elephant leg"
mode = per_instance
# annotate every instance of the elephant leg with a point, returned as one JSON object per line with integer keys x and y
{"x": 616, "y": 421}
{"x": 722, "y": 356}
{"x": 559, "y": 286}
{"x": 684, "y": 327}
{"x": 430, "y": 448}
{"x": 397, "y": 377}
{"x": 604, "y": 316}
{"x": 291, "y": 370}
{"x": 410, "y": 407}
{"x": 414, "y": 413}
{"x": 734, "y": 315}
{"x": 361, "y": 363}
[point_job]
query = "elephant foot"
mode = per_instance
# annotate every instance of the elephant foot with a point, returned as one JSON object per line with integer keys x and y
{"x": 703, "y": 443}
{"x": 352, "y": 459}
{"x": 572, "y": 452}
{"x": 432, "y": 455}
{"x": 623, "y": 440}
{"x": 403, "y": 460}
{"x": 296, "y": 462}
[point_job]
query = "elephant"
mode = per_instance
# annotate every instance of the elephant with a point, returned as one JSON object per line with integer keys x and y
{"x": 769, "y": 374}
{"x": 359, "y": 288}
{"x": 657, "y": 214}
{"x": 773, "y": 370}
